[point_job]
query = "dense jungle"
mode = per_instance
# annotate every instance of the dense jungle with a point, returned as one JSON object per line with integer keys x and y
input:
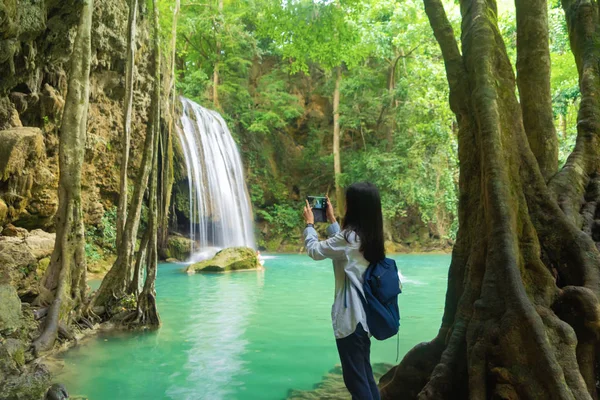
{"x": 141, "y": 139}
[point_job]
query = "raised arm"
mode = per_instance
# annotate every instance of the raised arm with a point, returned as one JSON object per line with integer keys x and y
{"x": 333, "y": 248}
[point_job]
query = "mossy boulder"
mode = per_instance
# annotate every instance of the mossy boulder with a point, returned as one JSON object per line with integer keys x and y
{"x": 230, "y": 259}
{"x": 30, "y": 383}
{"x": 272, "y": 245}
{"x": 10, "y": 309}
{"x": 16, "y": 350}
{"x": 18, "y": 266}
{"x": 179, "y": 248}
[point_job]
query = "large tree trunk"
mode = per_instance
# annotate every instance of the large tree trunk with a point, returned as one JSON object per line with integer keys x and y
{"x": 117, "y": 281}
{"x": 140, "y": 260}
{"x": 127, "y": 111}
{"x": 337, "y": 164}
{"x": 167, "y": 176}
{"x": 533, "y": 78}
{"x": 522, "y": 316}
{"x": 146, "y": 310}
{"x": 66, "y": 274}
{"x": 571, "y": 182}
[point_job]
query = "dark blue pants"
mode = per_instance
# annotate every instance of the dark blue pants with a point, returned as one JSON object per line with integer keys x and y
{"x": 355, "y": 355}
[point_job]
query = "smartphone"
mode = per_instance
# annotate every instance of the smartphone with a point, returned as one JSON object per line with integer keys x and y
{"x": 318, "y": 204}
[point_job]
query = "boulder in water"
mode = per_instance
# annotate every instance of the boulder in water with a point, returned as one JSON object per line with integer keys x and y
{"x": 230, "y": 259}
{"x": 57, "y": 392}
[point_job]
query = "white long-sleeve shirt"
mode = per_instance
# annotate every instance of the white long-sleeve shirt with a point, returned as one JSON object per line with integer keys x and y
{"x": 348, "y": 264}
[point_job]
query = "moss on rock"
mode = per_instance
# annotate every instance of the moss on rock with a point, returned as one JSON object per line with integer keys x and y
{"x": 31, "y": 383}
{"x": 273, "y": 244}
{"x": 178, "y": 247}
{"x": 332, "y": 386}
{"x": 19, "y": 266}
{"x": 230, "y": 259}
{"x": 10, "y": 309}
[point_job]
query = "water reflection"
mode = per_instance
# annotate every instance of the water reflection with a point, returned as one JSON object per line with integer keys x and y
{"x": 243, "y": 336}
{"x": 218, "y": 318}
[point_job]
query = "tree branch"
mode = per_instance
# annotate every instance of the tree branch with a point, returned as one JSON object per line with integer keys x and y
{"x": 198, "y": 49}
{"x": 570, "y": 183}
{"x": 455, "y": 70}
{"x": 533, "y": 78}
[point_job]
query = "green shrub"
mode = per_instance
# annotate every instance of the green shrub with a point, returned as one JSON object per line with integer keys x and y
{"x": 103, "y": 236}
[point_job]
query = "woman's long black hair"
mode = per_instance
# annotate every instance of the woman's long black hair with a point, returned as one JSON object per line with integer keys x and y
{"x": 363, "y": 216}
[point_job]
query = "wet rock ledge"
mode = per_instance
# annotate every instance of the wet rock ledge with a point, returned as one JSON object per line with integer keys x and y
{"x": 228, "y": 260}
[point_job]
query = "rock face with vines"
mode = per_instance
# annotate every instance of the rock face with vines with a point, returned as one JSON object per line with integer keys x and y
{"x": 522, "y": 317}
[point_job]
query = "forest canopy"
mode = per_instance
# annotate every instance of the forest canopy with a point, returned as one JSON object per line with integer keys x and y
{"x": 271, "y": 68}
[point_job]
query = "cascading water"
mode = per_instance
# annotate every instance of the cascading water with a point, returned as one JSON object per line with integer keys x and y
{"x": 220, "y": 211}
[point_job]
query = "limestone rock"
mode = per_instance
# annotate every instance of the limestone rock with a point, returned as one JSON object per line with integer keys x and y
{"x": 19, "y": 265}
{"x": 19, "y": 147}
{"x": 390, "y": 247}
{"x": 28, "y": 384}
{"x": 230, "y": 259}
{"x": 332, "y": 386}
{"x": 57, "y": 392}
{"x": 40, "y": 243}
{"x": 14, "y": 120}
{"x": 3, "y": 212}
{"x": 94, "y": 213}
{"x": 10, "y": 309}
{"x": 12, "y": 231}
{"x": 52, "y": 102}
{"x": 16, "y": 350}
{"x": 178, "y": 247}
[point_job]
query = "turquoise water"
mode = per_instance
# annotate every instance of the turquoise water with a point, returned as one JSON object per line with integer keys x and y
{"x": 248, "y": 335}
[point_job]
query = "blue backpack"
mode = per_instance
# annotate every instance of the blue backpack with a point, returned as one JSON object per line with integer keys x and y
{"x": 381, "y": 288}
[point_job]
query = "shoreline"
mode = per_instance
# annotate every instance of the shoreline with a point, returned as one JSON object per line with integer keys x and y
{"x": 415, "y": 253}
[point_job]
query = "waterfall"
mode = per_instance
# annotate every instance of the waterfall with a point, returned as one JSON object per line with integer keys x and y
{"x": 220, "y": 210}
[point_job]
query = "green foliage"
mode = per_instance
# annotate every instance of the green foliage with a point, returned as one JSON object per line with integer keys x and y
{"x": 276, "y": 61}
{"x": 103, "y": 236}
{"x": 320, "y": 32}
{"x": 282, "y": 217}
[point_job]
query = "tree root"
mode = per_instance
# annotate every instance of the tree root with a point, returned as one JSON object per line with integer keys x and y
{"x": 46, "y": 340}
{"x": 147, "y": 312}
{"x": 407, "y": 379}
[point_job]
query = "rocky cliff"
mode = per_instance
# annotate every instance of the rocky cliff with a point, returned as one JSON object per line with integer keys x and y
{"x": 36, "y": 39}
{"x": 36, "y": 43}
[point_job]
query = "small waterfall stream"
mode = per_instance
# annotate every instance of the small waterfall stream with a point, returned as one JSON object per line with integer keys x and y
{"x": 220, "y": 210}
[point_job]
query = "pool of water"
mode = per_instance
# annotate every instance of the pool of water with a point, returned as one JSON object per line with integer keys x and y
{"x": 248, "y": 335}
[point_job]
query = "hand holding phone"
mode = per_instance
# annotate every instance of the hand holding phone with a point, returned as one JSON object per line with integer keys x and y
{"x": 319, "y": 206}
{"x": 330, "y": 212}
{"x": 309, "y": 217}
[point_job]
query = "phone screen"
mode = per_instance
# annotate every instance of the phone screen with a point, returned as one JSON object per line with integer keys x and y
{"x": 317, "y": 202}
{"x": 319, "y": 207}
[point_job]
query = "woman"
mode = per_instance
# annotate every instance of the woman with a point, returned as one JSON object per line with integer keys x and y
{"x": 352, "y": 250}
